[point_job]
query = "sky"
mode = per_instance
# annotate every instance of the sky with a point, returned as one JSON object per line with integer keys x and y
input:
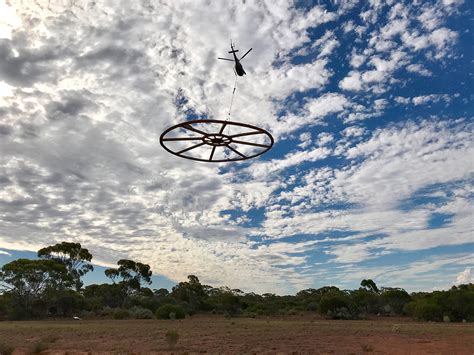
{"x": 370, "y": 104}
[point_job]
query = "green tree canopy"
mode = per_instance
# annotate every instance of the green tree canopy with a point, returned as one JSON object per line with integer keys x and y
{"x": 191, "y": 292}
{"x": 133, "y": 274}
{"x": 369, "y": 285}
{"x": 29, "y": 280}
{"x": 75, "y": 258}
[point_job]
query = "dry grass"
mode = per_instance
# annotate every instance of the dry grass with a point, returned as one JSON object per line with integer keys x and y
{"x": 306, "y": 334}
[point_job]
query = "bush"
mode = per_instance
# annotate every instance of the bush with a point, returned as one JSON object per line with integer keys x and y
{"x": 87, "y": 314}
{"x": 394, "y": 301}
{"x": 39, "y": 347}
{"x": 172, "y": 338}
{"x": 17, "y": 313}
{"x": 121, "y": 314}
{"x": 291, "y": 311}
{"x": 366, "y": 302}
{"x": 337, "y": 305}
{"x": 248, "y": 314}
{"x": 107, "y": 311}
{"x": 426, "y": 309}
{"x": 331, "y": 302}
{"x": 456, "y": 303}
{"x": 164, "y": 311}
{"x": 141, "y": 313}
{"x": 6, "y": 349}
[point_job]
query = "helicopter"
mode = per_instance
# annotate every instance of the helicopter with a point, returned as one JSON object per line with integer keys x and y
{"x": 238, "y": 69}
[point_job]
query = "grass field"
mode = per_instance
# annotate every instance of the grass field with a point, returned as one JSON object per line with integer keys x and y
{"x": 199, "y": 334}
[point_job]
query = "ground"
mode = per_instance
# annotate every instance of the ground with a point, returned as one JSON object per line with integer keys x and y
{"x": 216, "y": 334}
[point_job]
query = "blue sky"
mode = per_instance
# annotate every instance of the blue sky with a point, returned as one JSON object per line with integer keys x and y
{"x": 369, "y": 102}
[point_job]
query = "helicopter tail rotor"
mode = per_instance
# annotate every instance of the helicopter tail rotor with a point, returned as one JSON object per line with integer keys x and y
{"x": 232, "y": 47}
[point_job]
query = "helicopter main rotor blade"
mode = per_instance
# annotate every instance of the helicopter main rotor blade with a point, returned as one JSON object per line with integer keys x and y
{"x": 230, "y": 60}
{"x": 245, "y": 54}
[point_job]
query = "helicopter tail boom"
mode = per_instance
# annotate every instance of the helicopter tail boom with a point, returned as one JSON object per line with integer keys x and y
{"x": 245, "y": 54}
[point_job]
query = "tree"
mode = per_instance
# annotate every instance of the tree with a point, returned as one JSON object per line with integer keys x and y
{"x": 75, "y": 258}
{"x": 192, "y": 293}
{"x": 98, "y": 296}
{"x": 364, "y": 301}
{"x": 394, "y": 300}
{"x": 29, "y": 280}
{"x": 369, "y": 285}
{"x": 132, "y": 275}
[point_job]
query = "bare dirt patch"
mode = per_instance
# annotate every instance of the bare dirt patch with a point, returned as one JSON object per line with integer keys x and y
{"x": 202, "y": 334}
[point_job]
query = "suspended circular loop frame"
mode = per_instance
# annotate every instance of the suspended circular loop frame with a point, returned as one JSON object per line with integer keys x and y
{"x": 216, "y": 140}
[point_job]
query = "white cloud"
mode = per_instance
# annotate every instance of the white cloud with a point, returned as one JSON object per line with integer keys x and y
{"x": 464, "y": 277}
{"x": 419, "y": 69}
{"x": 452, "y": 2}
{"x": 357, "y": 59}
{"x": 9, "y": 20}
{"x": 312, "y": 113}
{"x": 326, "y": 44}
{"x": 291, "y": 159}
{"x": 305, "y": 139}
{"x": 325, "y": 138}
{"x": 374, "y": 80}
{"x": 353, "y": 131}
{"x": 352, "y": 81}
{"x": 424, "y": 99}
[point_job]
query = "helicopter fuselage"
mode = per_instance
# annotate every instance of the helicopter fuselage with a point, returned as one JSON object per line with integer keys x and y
{"x": 239, "y": 69}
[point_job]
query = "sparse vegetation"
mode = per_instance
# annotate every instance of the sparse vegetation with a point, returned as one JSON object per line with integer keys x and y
{"x": 166, "y": 311}
{"x": 215, "y": 334}
{"x": 367, "y": 348}
{"x": 6, "y": 349}
{"x": 172, "y": 338}
{"x": 121, "y": 314}
{"x": 40, "y": 346}
{"x": 141, "y": 313}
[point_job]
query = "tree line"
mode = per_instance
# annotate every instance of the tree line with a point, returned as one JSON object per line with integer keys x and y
{"x": 51, "y": 286}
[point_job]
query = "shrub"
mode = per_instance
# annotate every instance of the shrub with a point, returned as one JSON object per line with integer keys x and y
{"x": 39, "y": 347}
{"x": 332, "y": 302}
{"x": 121, "y": 314}
{"x": 425, "y": 309}
{"x": 107, "y": 311}
{"x": 172, "y": 338}
{"x": 50, "y": 338}
{"x": 141, "y": 313}
{"x": 291, "y": 312}
{"x": 87, "y": 314}
{"x": 248, "y": 314}
{"x": 367, "y": 348}
{"x": 343, "y": 313}
{"x": 6, "y": 349}
{"x": 394, "y": 301}
{"x": 164, "y": 311}
{"x": 17, "y": 313}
